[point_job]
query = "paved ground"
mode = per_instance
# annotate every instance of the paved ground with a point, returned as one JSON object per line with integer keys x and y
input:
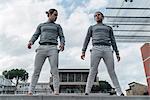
{"x": 72, "y": 97}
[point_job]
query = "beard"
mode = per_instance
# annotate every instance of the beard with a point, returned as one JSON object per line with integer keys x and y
{"x": 52, "y": 19}
{"x": 55, "y": 19}
{"x": 99, "y": 20}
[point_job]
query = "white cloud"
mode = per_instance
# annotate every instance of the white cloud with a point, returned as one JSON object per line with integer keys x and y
{"x": 96, "y": 4}
{"x": 20, "y": 18}
{"x": 76, "y": 25}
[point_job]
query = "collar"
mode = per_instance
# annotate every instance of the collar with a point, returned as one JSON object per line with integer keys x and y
{"x": 99, "y": 23}
{"x": 49, "y": 21}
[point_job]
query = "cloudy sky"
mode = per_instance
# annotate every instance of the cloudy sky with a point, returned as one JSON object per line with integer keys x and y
{"x": 19, "y": 19}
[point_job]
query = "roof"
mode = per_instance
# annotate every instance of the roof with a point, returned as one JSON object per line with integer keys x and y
{"x": 73, "y": 70}
{"x": 133, "y": 83}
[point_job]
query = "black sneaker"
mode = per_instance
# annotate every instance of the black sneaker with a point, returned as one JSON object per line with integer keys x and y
{"x": 122, "y": 94}
{"x": 86, "y": 94}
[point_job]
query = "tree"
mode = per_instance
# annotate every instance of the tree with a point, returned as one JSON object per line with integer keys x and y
{"x": 17, "y": 74}
{"x": 104, "y": 86}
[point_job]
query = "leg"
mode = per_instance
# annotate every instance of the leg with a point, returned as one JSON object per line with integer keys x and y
{"x": 53, "y": 59}
{"x": 95, "y": 59}
{"x": 39, "y": 61}
{"x": 109, "y": 61}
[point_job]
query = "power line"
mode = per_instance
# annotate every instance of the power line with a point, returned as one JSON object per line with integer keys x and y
{"x": 116, "y": 8}
{"x": 133, "y": 30}
{"x": 127, "y": 24}
{"x": 127, "y": 17}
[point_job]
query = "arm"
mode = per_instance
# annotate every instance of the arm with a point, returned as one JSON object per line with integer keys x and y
{"x": 86, "y": 42}
{"x": 114, "y": 45}
{"x": 34, "y": 37}
{"x": 62, "y": 38}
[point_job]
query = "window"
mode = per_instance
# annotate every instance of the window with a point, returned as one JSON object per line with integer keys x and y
{"x": 71, "y": 77}
{"x": 64, "y": 77}
{"x": 84, "y": 77}
{"x": 78, "y": 77}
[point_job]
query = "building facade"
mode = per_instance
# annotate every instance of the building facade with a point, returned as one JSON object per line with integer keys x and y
{"x": 74, "y": 81}
{"x": 41, "y": 88}
{"x": 71, "y": 81}
{"x": 136, "y": 89}
{"x": 6, "y": 86}
{"x": 145, "y": 50}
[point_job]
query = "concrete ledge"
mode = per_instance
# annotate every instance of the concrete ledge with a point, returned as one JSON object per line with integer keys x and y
{"x": 73, "y": 97}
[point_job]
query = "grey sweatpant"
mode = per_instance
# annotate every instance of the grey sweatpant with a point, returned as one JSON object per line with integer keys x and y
{"x": 43, "y": 52}
{"x": 106, "y": 53}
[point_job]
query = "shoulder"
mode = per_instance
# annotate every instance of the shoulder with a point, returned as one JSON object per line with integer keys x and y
{"x": 41, "y": 24}
{"x": 108, "y": 26}
{"x": 94, "y": 25}
{"x": 57, "y": 25}
{"x": 91, "y": 26}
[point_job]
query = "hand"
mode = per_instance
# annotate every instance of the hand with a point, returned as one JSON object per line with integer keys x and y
{"x": 118, "y": 57}
{"x": 29, "y": 45}
{"x": 61, "y": 47}
{"x": 82, "y": 55}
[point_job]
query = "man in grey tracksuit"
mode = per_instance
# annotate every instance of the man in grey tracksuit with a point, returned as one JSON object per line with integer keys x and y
{"x": 102, "y": 40}
{"x": 48, "y": 32}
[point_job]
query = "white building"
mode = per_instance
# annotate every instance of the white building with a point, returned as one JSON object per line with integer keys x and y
{"x": 4, "y": 81}
{"x": 41, "y": 88}
{"x": 6, "y": 86}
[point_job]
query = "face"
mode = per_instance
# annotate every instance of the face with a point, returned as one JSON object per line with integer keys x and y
{"x": 98, "y": 17}
{"x": 53, "y": 16}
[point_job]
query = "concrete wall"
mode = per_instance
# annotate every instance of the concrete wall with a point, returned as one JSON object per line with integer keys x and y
{"x": 62, "y": 97}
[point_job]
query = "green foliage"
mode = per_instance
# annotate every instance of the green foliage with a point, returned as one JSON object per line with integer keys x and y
{"x": 104, "y": 86}
{"x": 18, "y": 74}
